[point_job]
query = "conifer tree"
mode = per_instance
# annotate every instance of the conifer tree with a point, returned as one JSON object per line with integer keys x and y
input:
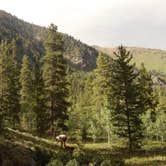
{"x": 3, "y": 82}
{"x": 102, "y": 92}
{"x": 26, "y": 93}
{"x": 14, "y": 86}
{"x": 126, "y": 109}
{"x": 149, "y": 100}
{"x": 102, "y": 81}
{"x": 80, "y": 112}
{"x": 39, "y": 100}
{"x": 10, "y": 83}
{"x": 147, "y": 95}
{"x": 54, "y": 75}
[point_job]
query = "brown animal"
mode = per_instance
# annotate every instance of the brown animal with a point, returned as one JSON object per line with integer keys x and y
{"x": 69, "y": 148}
{"x": 62, "y": 139}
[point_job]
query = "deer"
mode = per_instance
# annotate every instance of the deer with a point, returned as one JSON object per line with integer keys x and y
{"x": 62, "y": 139}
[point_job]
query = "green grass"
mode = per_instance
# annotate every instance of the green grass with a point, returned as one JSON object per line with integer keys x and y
{"x": 146, "y": 161}
{"x": 153, "y": 153}
{"x": 154, "y": 59}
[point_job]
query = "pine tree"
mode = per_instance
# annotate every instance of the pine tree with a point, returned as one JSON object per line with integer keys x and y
{"x": 102, "y": 81}
{"x": 126, "y": 110}
{"x": 147, "y": 95}
{"x": 14, "y": 86}
{"x": 10, "y": 83}
{"x": 39, "y": 100}
{"x": 148, "y": 102}
{"x": 102, "y": 92}
{"x": 26, "y": 93}
{"x": 80, "y": 97}
{"x": 3, "y": 82}
{"x": 54, "y": 75}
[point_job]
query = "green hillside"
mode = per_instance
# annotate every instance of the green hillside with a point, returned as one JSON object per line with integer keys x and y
{"x": 30, "y": 40}
{"x": 154, "y": 59}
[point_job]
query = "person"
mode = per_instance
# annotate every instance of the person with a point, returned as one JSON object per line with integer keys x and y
{"x": 62, "y": 139}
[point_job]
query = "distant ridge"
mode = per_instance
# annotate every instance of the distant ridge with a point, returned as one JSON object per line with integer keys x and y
{"x": 30, "y": 39}
{"x": 154, "y": 59}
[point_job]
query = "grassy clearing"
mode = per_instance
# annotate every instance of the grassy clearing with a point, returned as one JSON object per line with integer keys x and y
{"x": 152, "y": 154}
{"x": 146, "y": 161}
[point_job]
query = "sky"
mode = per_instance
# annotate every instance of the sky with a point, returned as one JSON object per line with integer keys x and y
{"x": 107, "y": 23}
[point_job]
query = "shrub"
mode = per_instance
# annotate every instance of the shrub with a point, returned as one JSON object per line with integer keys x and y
{"x": 72, "y": 163}
{"x": 112, "y": 163}
{"x": 77, "y": 153}
{"x": 55, "y": 163}
{"x": 42, "y": 156}
{"x": 106, "y": 163}
{"x": 64, "y": 156}
{"x": 91, "y": 164}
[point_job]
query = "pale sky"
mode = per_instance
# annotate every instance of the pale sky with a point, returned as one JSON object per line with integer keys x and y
{"x": 98, "y": 22}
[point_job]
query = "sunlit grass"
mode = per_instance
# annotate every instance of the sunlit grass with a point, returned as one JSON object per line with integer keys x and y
{"x": 149, "y": 161}
{"x": 104, "y": 146}
{"x": 153, "y": 153}
{"x": 98, "y": 146}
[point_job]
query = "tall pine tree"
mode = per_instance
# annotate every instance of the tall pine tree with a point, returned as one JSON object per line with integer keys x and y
{"x": 149, "y": 100}
{"x": 39, "y": 100}
{"x": 54, "y": 75}
{"x": 102, "y": 81}
{"x": 126, "y": 110}
{"x": 9, "y": 84}
{"x": 14, "y": 86}
{"x": 3, "y": 82}
{"x": 26, "y": 93}
{"x": 101, "y": 94}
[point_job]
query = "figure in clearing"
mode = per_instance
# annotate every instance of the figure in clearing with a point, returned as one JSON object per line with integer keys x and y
{"x": 62, "y": 139}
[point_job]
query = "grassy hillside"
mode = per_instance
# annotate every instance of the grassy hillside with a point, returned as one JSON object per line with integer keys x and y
{"x": 22, "y": 149}
{"x": 30, "y": 39}
{"x": 154, "y": 59}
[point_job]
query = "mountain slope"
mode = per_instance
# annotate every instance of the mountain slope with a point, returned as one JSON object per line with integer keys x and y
{"x": 30, "y": 39}
{"x": 154, "y": 59}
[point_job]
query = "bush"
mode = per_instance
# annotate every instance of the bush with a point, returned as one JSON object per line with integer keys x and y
{"x": 118, "y": 163}
{"x": 42, "y": 156}
{"x": 106, "y": 163}
{"x": 64, "y": 156}
{"x": 91, "y": 164}
{"x": 112, "y": 163}
{"x": 55, "y": 163}
{"x": 77, "y": 153}
{"x": 72, "y": 163}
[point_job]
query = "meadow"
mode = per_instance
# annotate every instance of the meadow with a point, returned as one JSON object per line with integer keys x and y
{"x": 42, "y": 150}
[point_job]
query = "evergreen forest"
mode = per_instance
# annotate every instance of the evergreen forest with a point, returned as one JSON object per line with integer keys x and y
{"x": 111, "y": 108}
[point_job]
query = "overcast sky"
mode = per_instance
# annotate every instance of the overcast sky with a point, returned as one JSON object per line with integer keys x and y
{"x": 99, "y": 22}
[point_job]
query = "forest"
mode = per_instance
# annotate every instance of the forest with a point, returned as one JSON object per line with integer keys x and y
{"x": 112, "y": 112}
